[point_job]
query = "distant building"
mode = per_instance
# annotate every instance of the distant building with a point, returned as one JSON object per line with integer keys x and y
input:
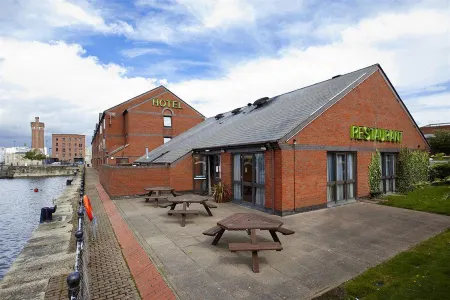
{"x": 37, "y": 135}
{"x": 428, "y": 130}
{"x": 2, "y": 155}
{"x": 15, "y": 156}
{"x": 68, "y": 147}
{"x": 88, "y": 155}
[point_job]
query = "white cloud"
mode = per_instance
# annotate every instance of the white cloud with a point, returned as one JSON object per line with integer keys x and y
{"x": 135, "y": 52}
{"x": 39, "y": 20}
{"x": 430, "y": 109}
{"x": 411, "y": 58}
{"x": 58, "y": 82}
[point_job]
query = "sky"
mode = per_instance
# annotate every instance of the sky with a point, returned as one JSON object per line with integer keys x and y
{"x": 67, "y": 60}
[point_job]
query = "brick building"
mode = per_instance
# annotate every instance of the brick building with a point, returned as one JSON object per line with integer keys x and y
{"x": 428, "y": 130}
{"x": 147, "y": 121}
{"x": 306, "y": 149}
{"x": 37, "y": 135}
{"x": 68, "y": 147}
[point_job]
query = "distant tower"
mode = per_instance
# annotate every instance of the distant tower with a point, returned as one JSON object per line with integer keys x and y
{"x": 37, "y": 135}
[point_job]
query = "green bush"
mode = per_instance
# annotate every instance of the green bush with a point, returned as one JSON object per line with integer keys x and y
{"x": 412, "y": 168}
{"x": 440, "y": 171}
{"x": 375, "y": 174}
{"x": 439, "y": 156}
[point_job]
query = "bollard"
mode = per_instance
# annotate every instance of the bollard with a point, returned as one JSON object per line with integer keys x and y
{"x": 73, "y": 282}
{"x": 69, "y": 182}
{"x": 46, "y": 214}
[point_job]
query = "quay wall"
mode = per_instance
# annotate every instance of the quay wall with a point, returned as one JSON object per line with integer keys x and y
{"x": 48, "y": 257}
{"x": 36, "y": 171}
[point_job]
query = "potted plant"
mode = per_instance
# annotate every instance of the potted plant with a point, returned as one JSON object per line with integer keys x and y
{"x": 221, "y": 192}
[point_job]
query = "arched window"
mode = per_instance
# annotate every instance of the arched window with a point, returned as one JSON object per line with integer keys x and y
{"x": 167, "y": 115}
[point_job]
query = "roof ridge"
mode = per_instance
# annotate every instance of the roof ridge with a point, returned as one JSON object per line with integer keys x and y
{"x": 323, "y": 81}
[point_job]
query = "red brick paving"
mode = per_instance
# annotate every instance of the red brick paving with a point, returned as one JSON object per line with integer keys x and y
{"x": 150, "y": 283}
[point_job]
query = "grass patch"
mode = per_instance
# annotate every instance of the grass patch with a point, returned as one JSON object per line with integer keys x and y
{"x": 435, "y": 199}
{"x": 422, "y": 272}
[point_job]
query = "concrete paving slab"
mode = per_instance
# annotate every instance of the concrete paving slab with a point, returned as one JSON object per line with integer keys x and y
{"x": 329, "y": 247}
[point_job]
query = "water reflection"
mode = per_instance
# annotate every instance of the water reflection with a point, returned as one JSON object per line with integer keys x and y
{"x": 20, "y": 210}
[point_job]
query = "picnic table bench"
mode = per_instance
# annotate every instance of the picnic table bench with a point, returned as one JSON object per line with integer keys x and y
{"x": 158, "y": 190}
{"x": 186, "y": 201}
{"x": 250, "y": 222}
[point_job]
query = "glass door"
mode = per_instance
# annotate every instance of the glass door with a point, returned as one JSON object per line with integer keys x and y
{"x": 247, "y": 178}
{"x": 200, "y": 171}
{"x": 340, "y": 176}
{"x": 388, "y": 172}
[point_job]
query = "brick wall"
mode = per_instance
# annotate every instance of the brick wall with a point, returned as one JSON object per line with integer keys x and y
{"x": 371, "y": 104}
{"x": 126, "y": 181}
{"x": 181, "y": 174}
{"x": 142, "y": 125}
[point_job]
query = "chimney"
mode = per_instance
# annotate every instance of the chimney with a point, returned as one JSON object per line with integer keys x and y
{"x": 37, "y": 119}
{"x": 100, "y": 116}
{"x": 146, "y": 152}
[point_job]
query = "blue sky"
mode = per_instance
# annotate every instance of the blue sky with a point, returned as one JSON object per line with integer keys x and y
{"x": 66, "y": 61}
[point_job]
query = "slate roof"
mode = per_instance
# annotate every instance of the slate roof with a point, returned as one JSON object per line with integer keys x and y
{"x": 280, "y": 118}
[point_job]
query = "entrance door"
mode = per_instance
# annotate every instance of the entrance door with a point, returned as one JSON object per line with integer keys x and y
{"x": 249, "y": 179}
{"x": 341, "y": 176}
{"x": 214, "y": 171}
{"x": 200, "y": 171}
{"x": 388, "y": 172}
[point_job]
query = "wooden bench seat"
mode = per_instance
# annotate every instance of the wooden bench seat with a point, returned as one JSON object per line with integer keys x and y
{"x": 156, "y": 198}
{"x": 179, "y": 211}
{"x": 233, "y": 247}
{"x": 212, "y": 231}
{"x": 285, "y": 231}
{"x": 210, "y": 205}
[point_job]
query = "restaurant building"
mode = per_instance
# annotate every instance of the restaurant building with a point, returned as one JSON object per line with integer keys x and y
{"x": 125, "y": 131}
{"x": 302, "y": 150}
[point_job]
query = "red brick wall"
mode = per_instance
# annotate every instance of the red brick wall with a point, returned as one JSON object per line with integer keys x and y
{"x": 181, "y": 174}
{"x": 371, "y": 104}
{"x": 142, "y": 125}
{"x": 432, "y": 129}
{"x": 124, "y": 181}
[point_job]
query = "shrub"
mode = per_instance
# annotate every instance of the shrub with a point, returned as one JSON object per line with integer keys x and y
{"x": 412, "y": 168}
{"x": 440, "y": 171}
{"x": 439, "y": 156}
{"x": 375, "y": 174}
{"x": 221, "y": 192}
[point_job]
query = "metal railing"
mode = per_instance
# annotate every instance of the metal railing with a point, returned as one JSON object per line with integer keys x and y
{"x": 78, "y": 281}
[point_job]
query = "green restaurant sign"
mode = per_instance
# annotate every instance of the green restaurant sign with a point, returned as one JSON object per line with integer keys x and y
{"x": 166, "y": 103}
{"x": 375, "y": 134}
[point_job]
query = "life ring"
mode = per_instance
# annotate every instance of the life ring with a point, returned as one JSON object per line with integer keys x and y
{"x": 88, "y": 207}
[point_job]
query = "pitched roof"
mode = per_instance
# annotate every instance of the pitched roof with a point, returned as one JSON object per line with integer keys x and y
{"x": 280, "y": 118}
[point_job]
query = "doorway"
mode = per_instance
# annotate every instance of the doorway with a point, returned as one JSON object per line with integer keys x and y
{"x": 249, "y": 179}
{"x": 207, "y": 172}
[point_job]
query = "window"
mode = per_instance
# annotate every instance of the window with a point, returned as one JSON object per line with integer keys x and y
{"x": 122, "y": 160}
{"x": 63, "y": 139}
{"x": 56, "y": 144}
{"x": 64, "y": 150}
{"x": 56, "y": 138}
{"x": 80, "y": 145}
{"x": 166, "y": 139}
{"x": 388, "y": 172}
{"x": 340, "y": 176}
{"x": 167, "y": 121}
{"x": 56, "y": 149}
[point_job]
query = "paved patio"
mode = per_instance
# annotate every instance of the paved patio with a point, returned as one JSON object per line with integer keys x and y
{"x": 329, "y": 247}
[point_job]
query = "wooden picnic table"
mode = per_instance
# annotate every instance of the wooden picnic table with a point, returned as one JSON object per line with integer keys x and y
{"x": 186, "y": 201}
{"x": 158, "y": 190}
{"x": 250, "y": 222}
